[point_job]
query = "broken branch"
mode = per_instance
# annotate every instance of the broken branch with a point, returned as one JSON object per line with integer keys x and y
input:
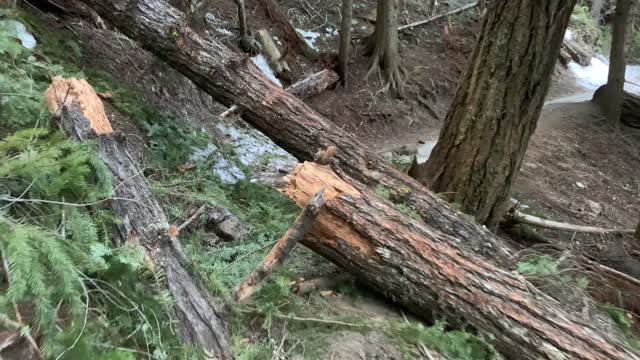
{"x": 281, "y": 250}
{"x": 436, "y": 17}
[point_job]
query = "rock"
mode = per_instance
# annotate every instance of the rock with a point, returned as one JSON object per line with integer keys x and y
{"x": 580, "y": 185}
{"x": 595, "y": 208}
{"x": 225, "y": 224}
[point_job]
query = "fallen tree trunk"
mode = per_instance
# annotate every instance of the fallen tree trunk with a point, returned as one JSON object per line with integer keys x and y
{"x": 288, "y": 31}
{"x": 82, "y": 117}
{"x": 424, "y": 269}
{"x": 231, "y": 79}
{"x": 630, "y": 106}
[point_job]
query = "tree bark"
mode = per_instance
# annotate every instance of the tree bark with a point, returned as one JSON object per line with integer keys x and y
{"x": 612, "y": 94}
{"x": 345, "y": 40}
{"x": 143, "y": 221}
{"x": 496, "y": 107}
{"x": 313, "y": 85}
{"x": 287, "y": 30}
{"x": 424, "y": 269}
{"x": 230, "y": 79}
{"x": 383, "y": 46}
{"x": 630, "y": 115}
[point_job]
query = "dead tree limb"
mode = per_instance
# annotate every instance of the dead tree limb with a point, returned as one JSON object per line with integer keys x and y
{"x": 275, "y": 58}
{"x": 287, "y": 30}
{"x": 345, "y": 40}
{"x": 281, "y": 250}
{"x": 81, "y": 116}
{"x": 423, "y": 269}
{"x": 439, "y": 16}
{"x": 523, "y": 218}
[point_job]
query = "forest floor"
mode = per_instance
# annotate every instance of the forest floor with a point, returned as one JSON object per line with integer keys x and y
{"x": 577, "y": 169}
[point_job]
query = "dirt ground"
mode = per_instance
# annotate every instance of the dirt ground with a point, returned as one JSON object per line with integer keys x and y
{"x": 575, "y": 160}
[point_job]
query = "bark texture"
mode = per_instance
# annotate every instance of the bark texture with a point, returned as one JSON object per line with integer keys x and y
{"x": 422, "y": 268}
{"x": 231, "y": 79}
{"x": 143, "y": 221}
{"x": 497, "y": 104}
{"x": 630, "y": 115}
{"x": 282, "y": 248}
{"x": 612, "y": 94}
{"x": 383, "y": 46}
{"x": 286, "y": 29}
{"x": 345, "y": 40}
{"x": 314, "y": 84}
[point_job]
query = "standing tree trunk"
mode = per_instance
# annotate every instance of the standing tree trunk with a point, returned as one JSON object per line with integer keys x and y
{"x": 611, "y": 96}
{"x": 345, "y": 40}
{"x": 496, "y": 107}
{"x": 383, "y": 46}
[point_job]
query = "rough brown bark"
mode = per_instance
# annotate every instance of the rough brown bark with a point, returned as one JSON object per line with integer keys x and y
{"x": 345, "y": 40}
{"x": 281, "y": 249}
{"x": 287, "y": 30}
{"x": 630, "y": 115}
{"x": 230, "y": 79}
{"x": 424, "y": 269}
{"x": 611, "y": 97}
{"x": 143, "y": 221}
{"x": 383, "y": 47}
{"x": 313, "y": 85}
{"x": 497, "y": 105}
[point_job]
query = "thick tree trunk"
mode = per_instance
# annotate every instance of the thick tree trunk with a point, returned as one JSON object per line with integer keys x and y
{"x": 198, "y": 315}
{"x": 612, "y": 94}
{"x": 630, "y": 115}
{"x": 230, "y": 79}
{"x": 497, "y": 105}
{"x": 383, "y": 46}
{"x": 424, "y": 269}
{"x": 345, "y": 40}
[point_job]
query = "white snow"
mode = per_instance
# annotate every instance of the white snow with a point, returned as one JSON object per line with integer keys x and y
{"x": 595, "y": 75}
{"x": 423, "y": 151}
{"x": 568, "y": 35}
{"x": 331, "y": 31}
{"x": 26, "y": 39}
{"x": 263, "y": 65}
{"x": 310, "y": 37}
{"x": 224, "y": 31}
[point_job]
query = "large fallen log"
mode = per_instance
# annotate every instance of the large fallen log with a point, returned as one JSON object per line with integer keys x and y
{"x": 424, "y": 269}
{"x": 230, "y": 78}
{"x": 630, "y": 106}
{"x": 82, "y": 117}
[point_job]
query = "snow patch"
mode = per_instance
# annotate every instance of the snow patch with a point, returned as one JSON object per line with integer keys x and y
{"x": 224, "y": 31}
{"x": 26, "y": 39}
{"x": 568, "y": 35}
{"x": 262, "y": 64}
{"x": 331, "y": 31}
{"x": 228, "y": 172}
{"x": 423, "y": 151}
{"x": 595, "y": 75}
{"x": 310, "y": 37}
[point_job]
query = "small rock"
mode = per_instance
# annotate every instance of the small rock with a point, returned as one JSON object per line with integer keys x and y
{"x": 581, "y": 185}
{"x": 595, "y": 208}
{"x": 226, "y": 225}
{"x": 531, "y": 166}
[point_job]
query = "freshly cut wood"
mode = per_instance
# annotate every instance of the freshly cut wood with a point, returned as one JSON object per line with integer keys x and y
{"x": 230, "y": 79}
{"x": 423, "y": 269}
{"x": 288, "y": 31}
{"x": 143, "y": 220}
{"x": 274, "y": 56}
{"x": 281, "y": 250}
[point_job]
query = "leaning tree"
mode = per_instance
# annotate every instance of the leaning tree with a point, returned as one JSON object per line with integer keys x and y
{"x": 383, "y": 46}
{"x": 496, "y": 106}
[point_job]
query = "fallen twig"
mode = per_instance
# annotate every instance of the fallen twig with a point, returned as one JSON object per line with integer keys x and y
{"x": 192, "y": 218}
{"x": 436, "y": 17}
{"x": 281, "y": 250}
{"x": 561, "y": 226}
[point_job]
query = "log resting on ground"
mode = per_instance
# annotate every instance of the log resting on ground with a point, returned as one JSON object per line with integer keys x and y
{"x": 81, "y": 116}
{"x": 630, "y": 106}
{"x": 423, "y": 269}
{"x": 230, "y": 78}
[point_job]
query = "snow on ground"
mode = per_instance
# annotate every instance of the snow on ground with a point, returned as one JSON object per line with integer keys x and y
{"x": 595, "y": 75}
{"x": 310, "y": 37}
{"x": 263, "y": 65}
{"x": 26, "y": 39}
